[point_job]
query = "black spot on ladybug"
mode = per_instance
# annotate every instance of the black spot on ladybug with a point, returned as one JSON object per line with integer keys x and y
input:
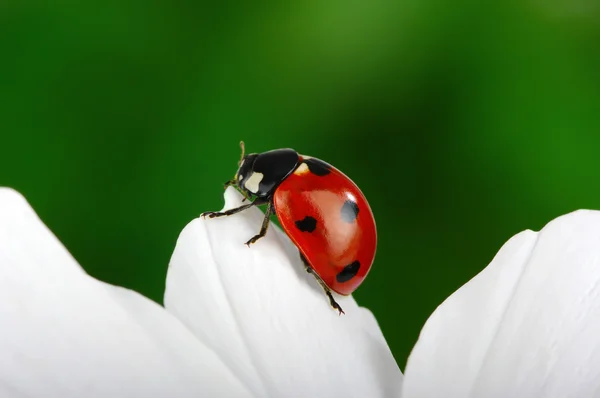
{"x": 307, "y": 224}
{"x": 349, "y": 211}
{"x": 348, "y": 272}
{"x": 318, "y": 167}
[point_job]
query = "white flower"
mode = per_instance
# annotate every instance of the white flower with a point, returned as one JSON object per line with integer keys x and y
{"x": 268, "y": 319}
{"x": 527, "y": 326}
{"x": 239, "y": 322}
{"x": 65, "y": 334}
{"x": 250, "y": 322}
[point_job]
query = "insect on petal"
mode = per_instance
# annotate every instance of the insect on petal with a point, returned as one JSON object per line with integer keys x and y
{"x": 259, "y": 309}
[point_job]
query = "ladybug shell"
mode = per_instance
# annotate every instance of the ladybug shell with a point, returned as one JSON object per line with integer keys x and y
{"x": 329, "y": 220}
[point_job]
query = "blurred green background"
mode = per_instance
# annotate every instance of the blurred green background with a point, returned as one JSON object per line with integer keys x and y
{"x": 463, "y": 124}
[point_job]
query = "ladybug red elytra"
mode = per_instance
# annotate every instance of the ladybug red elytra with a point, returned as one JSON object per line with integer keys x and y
{"x": 322, "y": 211}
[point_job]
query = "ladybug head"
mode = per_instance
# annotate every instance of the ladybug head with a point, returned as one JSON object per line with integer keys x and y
{"x": 260, "y": 173}
{"x": 245, "y": 172}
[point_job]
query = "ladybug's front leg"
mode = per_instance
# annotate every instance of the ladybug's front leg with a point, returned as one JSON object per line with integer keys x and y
{"x": 234, "y": 182}
{"x": 264, "y": 226}
{"x": 229, "y": 183}
{"x": 214, "y": 214}
{"x": 327, "y": 291}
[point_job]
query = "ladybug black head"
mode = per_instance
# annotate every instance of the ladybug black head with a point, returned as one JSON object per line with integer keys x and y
{"x": 245, "y": 170}
{"x": 260, "y": 173}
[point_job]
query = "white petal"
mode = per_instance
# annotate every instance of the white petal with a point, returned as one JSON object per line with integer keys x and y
{"x": 526, "y": 326}
{"x": 259, "y": 309}
{"x": 65, "y": 334}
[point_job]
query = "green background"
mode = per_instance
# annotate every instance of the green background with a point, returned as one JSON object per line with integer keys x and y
{"x": 463, "y": 124}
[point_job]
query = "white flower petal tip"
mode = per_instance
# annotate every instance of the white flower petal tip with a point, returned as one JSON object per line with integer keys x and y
{"x": 232, "y": 199}
{"x": 528, "y": 325}
{"x": 65, "y": 334}
{"x": 11, "y": 199}
{"x": 259, "y": 309}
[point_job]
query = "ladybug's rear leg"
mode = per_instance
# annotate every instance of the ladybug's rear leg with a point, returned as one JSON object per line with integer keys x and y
{"x": 327, "y": 291}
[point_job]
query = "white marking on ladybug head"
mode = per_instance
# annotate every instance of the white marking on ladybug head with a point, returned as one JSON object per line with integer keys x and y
{"x": 302, "y": 169}
{"x": 306, "y": 157}
{"x": 251, "y": 184}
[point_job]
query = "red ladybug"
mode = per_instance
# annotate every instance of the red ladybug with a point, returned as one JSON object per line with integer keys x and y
{"x": 322, "y": 211}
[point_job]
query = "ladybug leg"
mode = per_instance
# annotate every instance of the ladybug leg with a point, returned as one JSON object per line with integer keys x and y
{"x": 327, "y": 291}
{"x": 229, "y": 183}
{"x": 213, "y": 214}
{"x": 233, "y": 182}
{"x": 264, "y": 226}
{"x": 246, "y": 196}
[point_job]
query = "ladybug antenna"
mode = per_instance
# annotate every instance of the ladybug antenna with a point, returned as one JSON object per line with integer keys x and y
{"x": 243, "y": 152}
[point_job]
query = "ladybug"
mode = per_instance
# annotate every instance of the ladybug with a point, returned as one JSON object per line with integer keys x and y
{"x": 323, "y": 212}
